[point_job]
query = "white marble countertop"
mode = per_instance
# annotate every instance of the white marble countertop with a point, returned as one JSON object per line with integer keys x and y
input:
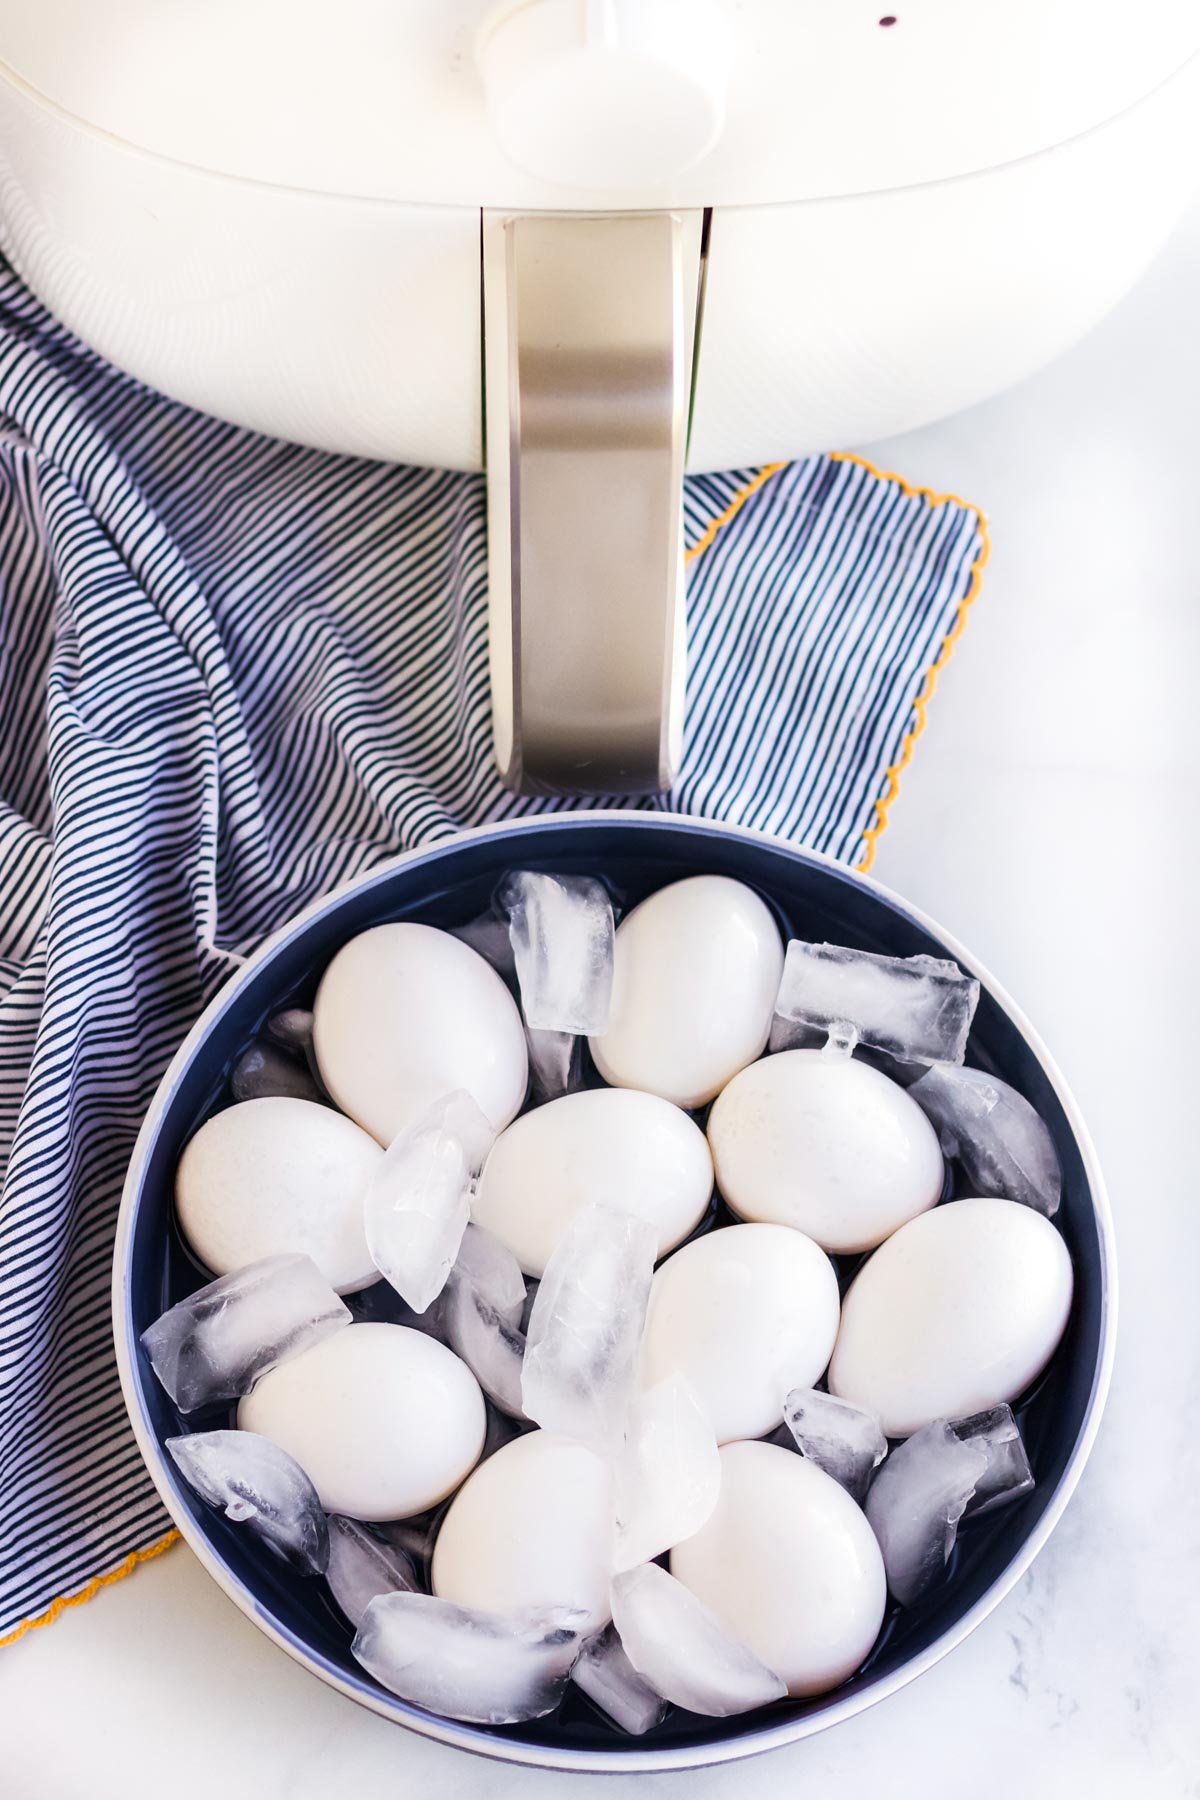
{"x": 1047, "y": 820}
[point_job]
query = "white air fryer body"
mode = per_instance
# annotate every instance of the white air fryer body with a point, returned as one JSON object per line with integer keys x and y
{"x": 279, "y": 211}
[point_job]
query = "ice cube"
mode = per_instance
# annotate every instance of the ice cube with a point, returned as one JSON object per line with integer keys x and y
{"x": 490, "y": 1267}
{"x": 915, "y": 1504}
{"x": 608, "y": 1678}
{"x": 263, "y": 1071}
{"x": 585, "y": 1330}
{"x": 1002, "y": 1144}
{"x": 562, "y": 937}
{"x": 484, "y": 1300}
{"x": 259, "y": 1485}
{"x": 844, "y": 1440}
{"x": 215, "y": 1344}
{"x": 929, "y": 1482}
{"x": 793, "y": 1034}
{"x": 486, "y": 1668}
{"x": 840, "y": 1043}
{"x": 418, "y": 1202}
{"x": 677, "y": 1645}
{"x": 1008, "y": 1475}
{"x": 555, "y": 1060}
{"x": 293, "y": 1028}
{"x": 915, "y": 1007}
{"x": 668, "y": 1473}
{"x": 361, "y": 1567}
{"x": 488, "y": 937}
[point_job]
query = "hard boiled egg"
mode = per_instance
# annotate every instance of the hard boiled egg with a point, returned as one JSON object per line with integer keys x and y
{"x": 603, "y": 1145}
{"x": 405, "y": 1014}
{"x": 274, "y": 1176}
{"x": 745, "y": 1314}
{"x": 696, "y": 969}
{"x": 826, "y": 1144}
{"x": 532, "y": 1527}
{"x": 790, "y": 1567}
{"x": 957, "y": 1312}
{"x": 385, "y": 1421}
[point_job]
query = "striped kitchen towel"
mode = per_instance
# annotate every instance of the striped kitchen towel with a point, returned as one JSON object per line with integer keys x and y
{"x": 234, "y": 673}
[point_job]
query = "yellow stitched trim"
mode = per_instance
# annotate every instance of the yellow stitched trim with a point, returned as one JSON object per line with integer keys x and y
{"x": 929, "y": 680}
{"x": 731, "y": 511}
{"x": 870, "y": 838}
{"x": 93, "y": 1587}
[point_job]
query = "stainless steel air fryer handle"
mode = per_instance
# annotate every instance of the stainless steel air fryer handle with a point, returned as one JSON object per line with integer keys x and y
{"x": 589, "y": 326}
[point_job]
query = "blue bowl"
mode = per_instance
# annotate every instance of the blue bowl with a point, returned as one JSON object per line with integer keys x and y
{"x": 637, "y": 852}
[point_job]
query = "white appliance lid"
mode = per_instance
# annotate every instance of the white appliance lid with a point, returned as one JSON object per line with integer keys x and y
{"x": 383, "y": 99}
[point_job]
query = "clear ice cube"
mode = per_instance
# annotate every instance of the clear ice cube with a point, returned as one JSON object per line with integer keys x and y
{"x": 608, "y": 1678}
{"x": 1001, "y": 1142}
{"x": 486, "y": 1668}
{"x": 361, "y": 1567}
{"x": 916, "y": 1008}
{"x": 264, "y": 1070}
{"x": 293, "y": 1028}
{"x": 585, "y": 1329}
{"x": 493, "y": 1271}
{"x": 1008, "y": 1475}
{"x": 257, "y": 1484}
{"x": 840, "y": 1043}
{"x": 484, "y": 1300}
{"x": 215, "y": 1344}
{"x": 794, "y": 1034}
{"x": 844, "y": 1440}
{"x": 562, "y": 937}
{"x": 555, "y": 1063}
{"x": 668, "y": 1472}
{"x": 677, "y": 1645}
{"x": 930, "y": 1481}
{"x": 418, "y": 1202}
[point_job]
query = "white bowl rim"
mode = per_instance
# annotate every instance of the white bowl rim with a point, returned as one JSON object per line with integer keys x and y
{"x": 646, "y": 1759}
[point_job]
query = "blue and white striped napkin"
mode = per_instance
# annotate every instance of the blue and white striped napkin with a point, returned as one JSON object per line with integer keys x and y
{"x": 232, "y": 674}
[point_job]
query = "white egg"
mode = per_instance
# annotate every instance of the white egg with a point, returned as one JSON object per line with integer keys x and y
{"x": 827, "y": 1145}
{"x": 605, "y": 1144}
{"x": 532, "y": 1527}
{"x": 745, "y": 1313}
{"x": 279, "y": 1175}
{"x": 957, "y": 1312}
{"x": 403, "y": 1015}
{"x": 695, "y": 973}
{"x": 384, "y": 1420}
{"x": 789, "y": 1565}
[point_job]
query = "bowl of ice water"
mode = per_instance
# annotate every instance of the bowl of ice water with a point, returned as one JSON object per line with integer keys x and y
{"x": 502, "y": 1179}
